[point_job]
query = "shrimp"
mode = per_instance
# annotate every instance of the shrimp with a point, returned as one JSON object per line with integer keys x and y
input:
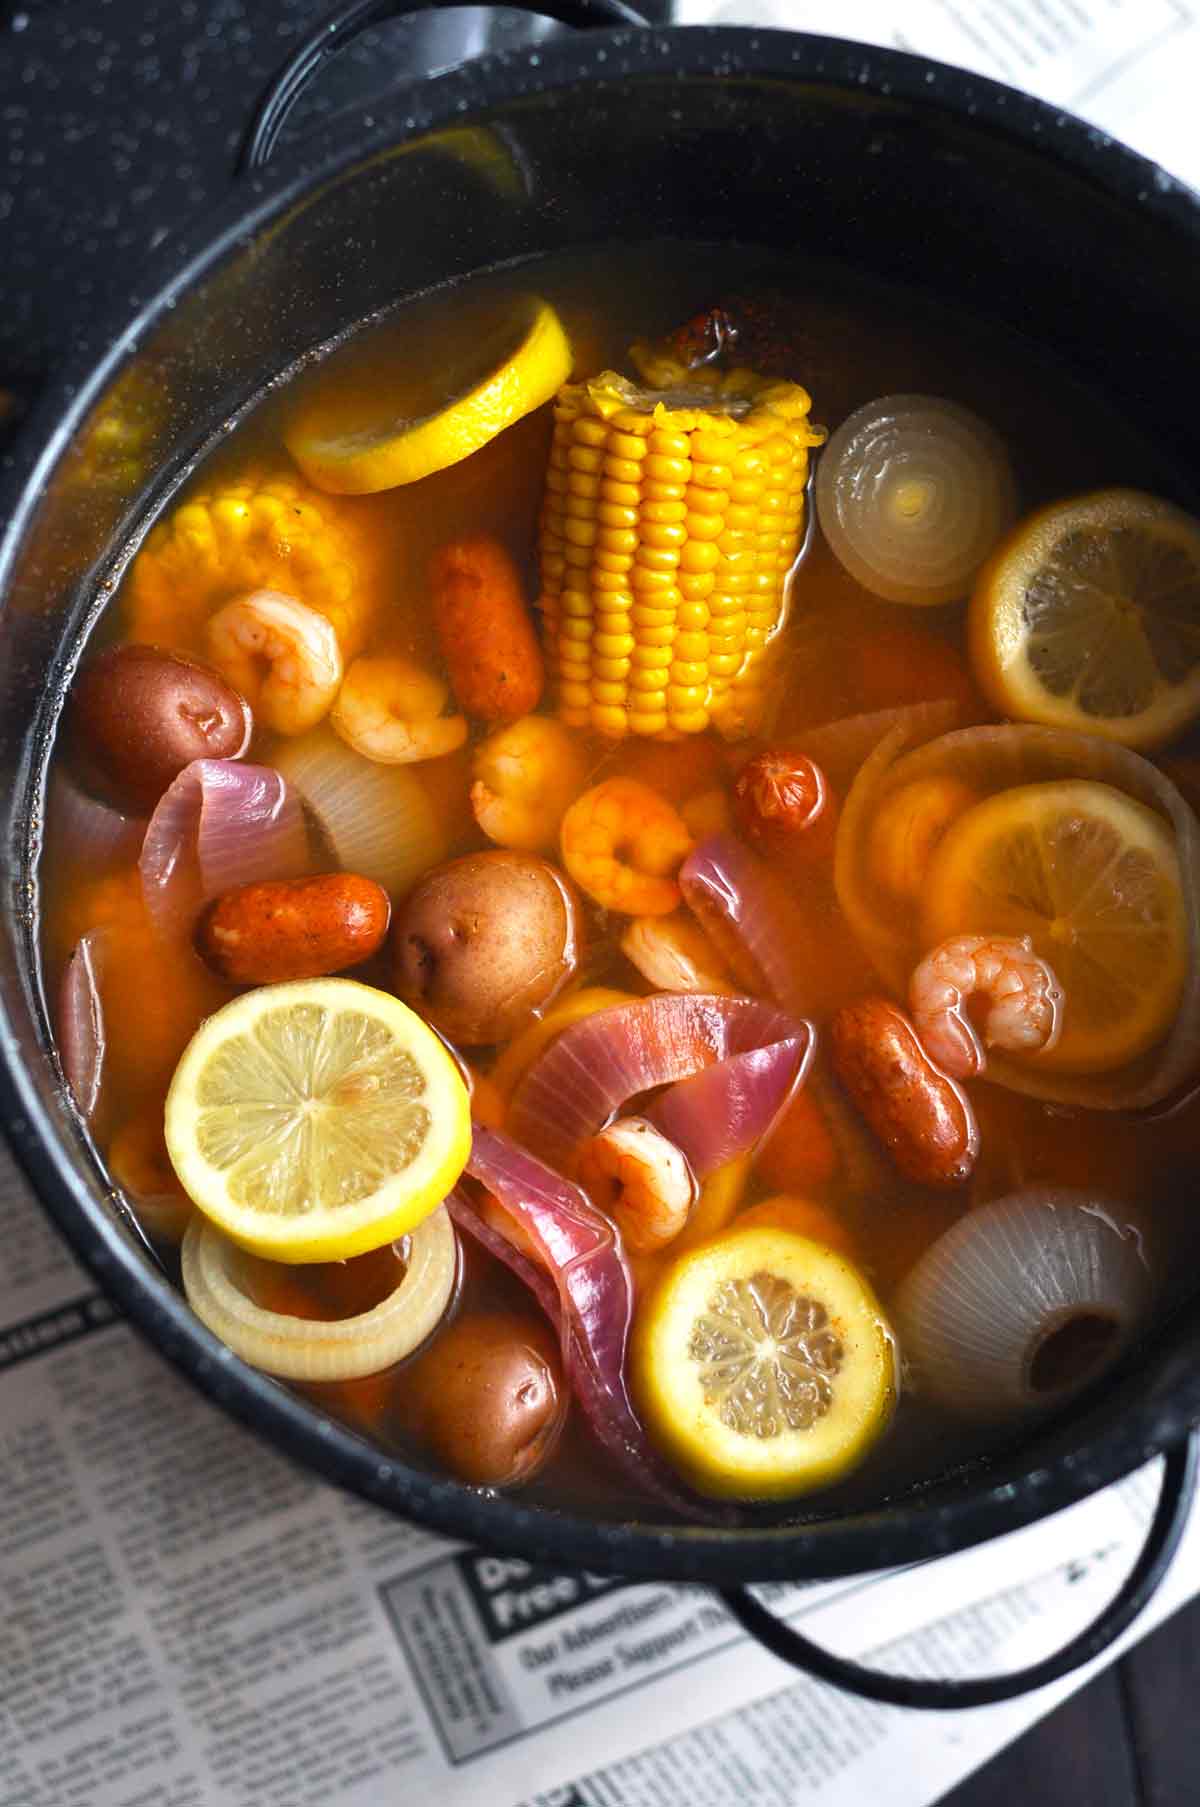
{"x": 622, "y": 844}
{"x": 641, "y": 1180}
{"x": 675, "y": 954}
{"x": 283, "y": 656}
{"x": 1024, "y": 1001}
{"x": 525, "y": 776}
{"x": 390, "y": 710}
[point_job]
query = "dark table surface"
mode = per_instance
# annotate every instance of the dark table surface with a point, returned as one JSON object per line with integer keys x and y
{"x": 118, "y": 118}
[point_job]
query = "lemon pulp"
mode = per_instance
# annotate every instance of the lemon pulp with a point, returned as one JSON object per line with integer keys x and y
{"x": 1088, "y": 617}
{"x": 1092, "y": 877}
{"x": 316, "y": 1120}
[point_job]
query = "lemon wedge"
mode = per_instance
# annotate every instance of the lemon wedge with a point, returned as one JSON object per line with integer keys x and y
{"x": 353, "y": 438}
{"x": 316, "y": 1120}
{"x": 763, "y": 1365}
{"x": 1092, "y": 877}
{"x": 1088, "y": 617}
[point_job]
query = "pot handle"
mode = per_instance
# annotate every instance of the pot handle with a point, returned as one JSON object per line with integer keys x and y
{"x": 355, "y": 16}
{"x": 1162, "y": 1539}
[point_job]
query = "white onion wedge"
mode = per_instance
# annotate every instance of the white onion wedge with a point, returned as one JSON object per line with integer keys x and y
{"x": 913, "y": 493}
{"x": 1022, "y": 1303}
{"x": 295, "y": 1348}
{"x": 378, "y": 820}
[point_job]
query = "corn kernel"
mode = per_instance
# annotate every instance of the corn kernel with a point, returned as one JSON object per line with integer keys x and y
{"x": 644, "y": 680}
{"x": 610, "y": 721}
{"x": 699, "y": 555}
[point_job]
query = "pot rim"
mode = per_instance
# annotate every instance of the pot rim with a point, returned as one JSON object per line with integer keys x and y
{"x": 895, "y": 1533}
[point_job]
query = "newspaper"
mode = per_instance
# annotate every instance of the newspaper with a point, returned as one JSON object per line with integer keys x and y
{"x": 194, "y": 1622}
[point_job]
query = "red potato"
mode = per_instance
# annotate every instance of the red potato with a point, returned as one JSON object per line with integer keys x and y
{"x": 486, "y": 942}
{"x": 485, "y": 630}
{"x": 140, "y": 715}
{"x": 924, "y": 1120}
{"x": 295, "y": 928}
{"x": 490, "y": 1399}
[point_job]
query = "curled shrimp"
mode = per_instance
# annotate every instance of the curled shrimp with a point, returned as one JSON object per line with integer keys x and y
{"x": 283, "y": 656}
{"x": 524, "y": 777}
{"x": 641, "y": 1180}
{"x": 622, "y": 843}
{"x": 675, "y": 954}
{"x": 1024, "y": 1001}
{"x": 390, "y": 710}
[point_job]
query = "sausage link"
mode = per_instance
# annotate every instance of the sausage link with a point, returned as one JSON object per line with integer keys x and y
{"x": 485, "y": 630}
{"x": 296, "y": 928}
{"x": 924, "y": 1120}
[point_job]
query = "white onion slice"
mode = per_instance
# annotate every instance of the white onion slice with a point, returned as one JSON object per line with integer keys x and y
{"x": 295, "y": 1348}
{"x": 1022, "y": 1303}
{"x": 912, "y": 495}
{"x": 996, "y": 759}
{"x": 378, "y": 820}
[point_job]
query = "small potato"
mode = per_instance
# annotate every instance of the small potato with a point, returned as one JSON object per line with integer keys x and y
{"x": 293, "y": 928}
{"x": 491, "y": 1397}
{"x": 140, "y": 715}
{"x": 484, "y": 942}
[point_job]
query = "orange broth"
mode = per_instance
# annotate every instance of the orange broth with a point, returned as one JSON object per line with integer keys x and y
{"x": 847, "y": 652}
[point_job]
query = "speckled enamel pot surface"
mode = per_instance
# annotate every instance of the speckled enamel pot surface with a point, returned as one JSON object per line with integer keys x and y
{"x": 900, "y": 168}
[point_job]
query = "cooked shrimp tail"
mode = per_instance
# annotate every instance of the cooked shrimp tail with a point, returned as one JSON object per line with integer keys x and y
{"x": 639, "y": 1179}
{"x": 281, "y": 655}
{"x": 1022, "y": 997}
{"x": 392, "y": 711}
{"x": 623, "y": 844}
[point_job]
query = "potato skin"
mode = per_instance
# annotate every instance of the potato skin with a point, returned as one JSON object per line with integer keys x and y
{"x": 140, "y": 714}
{"x": 924, "y": 1120}
{"x": 484, "y": 942}
{"x": 492, "y": 1399}
{"x": 294, "y": 928}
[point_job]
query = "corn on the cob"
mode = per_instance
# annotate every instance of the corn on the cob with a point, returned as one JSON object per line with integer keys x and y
{"x": 251, "y": 532}
{"x": 671, "y": 521}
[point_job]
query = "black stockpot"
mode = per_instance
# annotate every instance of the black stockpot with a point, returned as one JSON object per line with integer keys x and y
{"x": 904, "y": 169}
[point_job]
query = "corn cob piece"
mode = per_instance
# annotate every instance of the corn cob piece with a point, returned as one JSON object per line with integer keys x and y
{"x": 671, "y": 521}
{"x": 256, "y": 531}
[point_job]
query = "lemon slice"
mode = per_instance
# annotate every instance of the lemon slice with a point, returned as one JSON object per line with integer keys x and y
{"x": 354, "y": 437}
{"x": 763, "y": 1365}
{"x": 317, "y": 1120}
{"x": 1093, "y": 878}
{"x": 1088, "y": 617}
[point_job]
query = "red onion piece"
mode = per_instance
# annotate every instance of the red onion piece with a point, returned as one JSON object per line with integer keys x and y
{"x": 81, "y": 1038}
{"x": 748, "y": 913}
{"x": 221, "y": 823}
{"x": 731, "y": 1107}
{"x": 594, "y": 1067}
{"x": 87, "y": 833}
{"x": 580, "y": 1253}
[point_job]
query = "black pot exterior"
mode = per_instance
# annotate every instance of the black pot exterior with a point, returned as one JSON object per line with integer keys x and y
{"x": 901, "y": 168}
